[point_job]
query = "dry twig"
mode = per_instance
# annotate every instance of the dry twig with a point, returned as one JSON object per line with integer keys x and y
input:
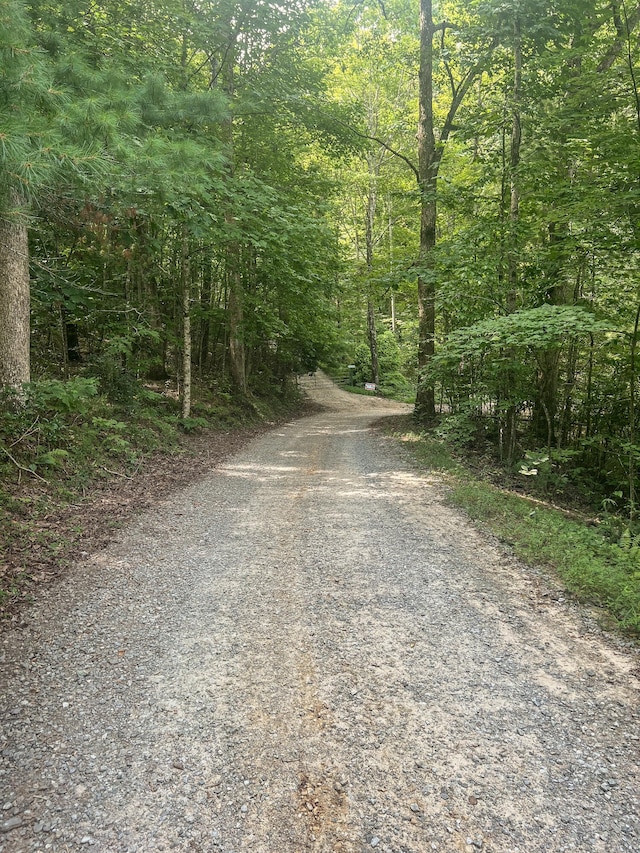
{"x": 22, "y": 468}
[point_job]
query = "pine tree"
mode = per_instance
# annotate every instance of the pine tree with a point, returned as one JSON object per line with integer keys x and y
{"x": 24, "y": 102}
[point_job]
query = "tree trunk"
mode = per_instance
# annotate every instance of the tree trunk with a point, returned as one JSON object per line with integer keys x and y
{"x": 186, "y": 327}
{"x": 237, "y": 364}
{"x": 373, "y": 342}
{"x": 393, "y": 298}
{"x": 516, "y": 139}
{"x": 557, "y": 293}
{"x": 428, "y": 161}
{"x": 372, "y": 333}
{"x": 514, "y": 216}
{"x": 14, "y": 298}
{"x": 204, "y": 326}
{"x": 237, "y": 356}
{"x": 632, "y": 420}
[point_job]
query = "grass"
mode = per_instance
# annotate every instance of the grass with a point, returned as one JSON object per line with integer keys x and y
{"x": 592, "y": 568}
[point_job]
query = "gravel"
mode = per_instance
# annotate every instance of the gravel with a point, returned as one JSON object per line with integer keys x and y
{"x": 308, "y": 651}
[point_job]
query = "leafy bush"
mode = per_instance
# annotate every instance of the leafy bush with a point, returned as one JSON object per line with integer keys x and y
{"x": 53, "y": 458}
{"x": 390, "y": 362}
{"x": 396, "y": 385}
{"x": 459, "y": 428}
{"x": 54, "y": 395}
{"x": 117, "y": 383}
{"x": 193, "y": 424}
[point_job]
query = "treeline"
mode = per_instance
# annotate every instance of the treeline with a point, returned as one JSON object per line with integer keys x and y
{"x": 445, "y": 196}
{"x": 518, "y": 219}
{"x": 159, "y": 169}
{"x": 538, "y": 262}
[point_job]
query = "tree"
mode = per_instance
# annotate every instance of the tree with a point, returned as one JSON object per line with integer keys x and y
{"x": 14, "y": 295}
{"x": 536, "y": 211}
{"x": 23, "y": 97}
{"x": 430, "y": 153}
{"x": 373, "y": 75}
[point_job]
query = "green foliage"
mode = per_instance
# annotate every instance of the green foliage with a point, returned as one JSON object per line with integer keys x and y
{"x": 534, "y": 328}
{"x": 393, "y": 382}
{"x": 474, "y": 361}
{"x": 397, "y": 386}
{"x": 53, "y": 458}
{"x": 72, "y": 396}
{"x": 115, "y": 381}
{"x": 157, "y": 137}
{"x": 460, "y": 428}
{"x": 109, "y": 424}
{"x": 25, "y": 103}
{"x": 193, "y": 424}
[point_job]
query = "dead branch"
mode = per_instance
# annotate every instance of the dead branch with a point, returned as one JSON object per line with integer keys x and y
{"x": 116, "y": 473}
{"x": 22, "y": 468}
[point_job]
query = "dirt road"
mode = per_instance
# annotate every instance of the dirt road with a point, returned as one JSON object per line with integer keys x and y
{"x": 308, "y": 651}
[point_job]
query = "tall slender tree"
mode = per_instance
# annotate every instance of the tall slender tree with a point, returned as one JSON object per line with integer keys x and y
{"x": 430, "y": 153}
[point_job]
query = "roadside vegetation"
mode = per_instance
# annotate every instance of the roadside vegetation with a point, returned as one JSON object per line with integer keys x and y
{"x": 595, "y": 555}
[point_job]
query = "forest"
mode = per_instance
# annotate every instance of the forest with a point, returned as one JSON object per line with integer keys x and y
{"x": 200, "y": 200}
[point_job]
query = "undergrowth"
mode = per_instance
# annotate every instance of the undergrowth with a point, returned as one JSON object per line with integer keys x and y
{"x": 593, "y": 568}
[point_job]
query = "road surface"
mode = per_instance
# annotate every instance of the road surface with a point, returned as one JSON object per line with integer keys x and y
{"x": 307, "y": 650}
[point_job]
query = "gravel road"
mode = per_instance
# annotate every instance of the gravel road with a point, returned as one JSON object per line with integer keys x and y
{"x": 308, "y": 651}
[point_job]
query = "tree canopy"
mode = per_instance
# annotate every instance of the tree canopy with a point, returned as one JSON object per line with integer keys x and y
{"x": 446, "y": 195}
